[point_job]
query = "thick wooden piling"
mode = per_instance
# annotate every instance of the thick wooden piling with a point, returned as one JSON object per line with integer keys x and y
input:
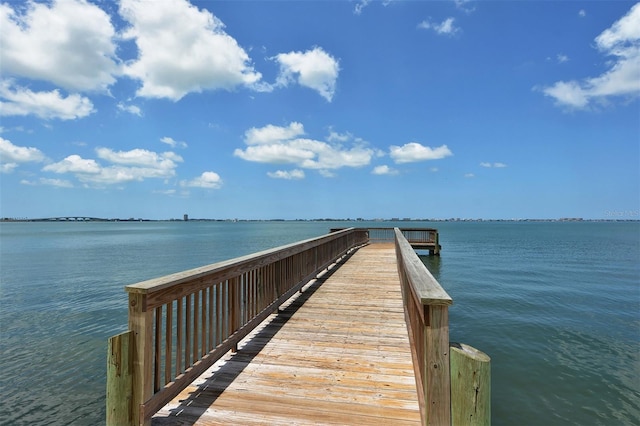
{"x": 470, "y": 371}
{"x": 119, "y": 379}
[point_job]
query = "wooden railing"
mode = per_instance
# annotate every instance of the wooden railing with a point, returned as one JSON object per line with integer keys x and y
{"x": 180, "y": 324}
{"x": 453, "y": 380}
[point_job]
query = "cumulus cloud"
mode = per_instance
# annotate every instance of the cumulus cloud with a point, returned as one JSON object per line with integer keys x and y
{"x": 209, "y": 180}
{"x": 74, "y": 164}
{"x": 182, "y": 49}
{"x": 69, "y": 43}
{"x": 283, "y": 145}
{"x": 446, "y": 27}
{"x": 622, "y": 42}
{"x": 126, "y": 166}
{"x": 315, "y": 69}
{"x": 48, "y": 105}
{"x": 273, "y": 134}
{"x": 384, "y": 170}
{"x": 288, "y": 175}
{"x": 12, "y": 155}
{"x": 140, "y": 157}
{"x": 413, "y": 152}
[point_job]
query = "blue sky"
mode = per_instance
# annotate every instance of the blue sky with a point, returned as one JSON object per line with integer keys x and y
{"x": 314, "y": 109}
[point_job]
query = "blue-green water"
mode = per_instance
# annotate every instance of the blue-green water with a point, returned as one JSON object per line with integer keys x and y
{"x": 555, "y": 305}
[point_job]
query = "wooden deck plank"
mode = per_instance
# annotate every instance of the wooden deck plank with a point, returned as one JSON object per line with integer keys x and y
{"x": 336, "y": 354}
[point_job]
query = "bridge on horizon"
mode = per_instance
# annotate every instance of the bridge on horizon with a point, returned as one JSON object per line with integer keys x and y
{"x": 72, "y": 219}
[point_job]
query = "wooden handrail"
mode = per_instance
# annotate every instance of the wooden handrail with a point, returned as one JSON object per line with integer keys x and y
{"x": 426, "y": 311}
{"x": 180, "y": 324}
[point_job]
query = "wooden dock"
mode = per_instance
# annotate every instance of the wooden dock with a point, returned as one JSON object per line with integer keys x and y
{"x": 345, "y": 328}
{"x": 338, "y": 353}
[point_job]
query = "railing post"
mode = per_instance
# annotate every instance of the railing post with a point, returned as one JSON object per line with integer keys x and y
{"x": 140, "y": 324}
{"x": 437, "y": 378}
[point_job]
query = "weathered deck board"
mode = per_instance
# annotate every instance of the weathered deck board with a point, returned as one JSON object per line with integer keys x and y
{"x": 337, "y": 354}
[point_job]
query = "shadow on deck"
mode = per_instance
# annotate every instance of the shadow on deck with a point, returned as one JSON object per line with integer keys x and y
{"x": 226, "y": 371}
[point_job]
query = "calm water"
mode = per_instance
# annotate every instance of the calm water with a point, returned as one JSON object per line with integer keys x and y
{"x": 555, "y": 305}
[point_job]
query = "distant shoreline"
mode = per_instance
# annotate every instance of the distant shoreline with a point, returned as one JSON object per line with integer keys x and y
{"x": 96, "y": 219}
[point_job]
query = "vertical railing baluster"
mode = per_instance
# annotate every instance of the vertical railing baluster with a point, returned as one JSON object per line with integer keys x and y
{"x": 168, "y": 354}
{"x": 179, "y": 334}
{"x": 219, "y": 313}
{"x": 196, "y": 327}
{"x": 203, "y": 323}
{"x": 187, "y": 328}
{"x": 212, "y": 343}
{"x": 157, "y": 349}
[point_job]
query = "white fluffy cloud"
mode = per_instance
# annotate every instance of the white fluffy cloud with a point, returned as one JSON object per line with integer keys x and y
{"x": 315, "y": 69}
{"x": 413, "y": 151}
{"x": 273, "y": 134}
{"x": 288, "y": 175}
{"x": 48, "y": 105}
{"x": 12, "y": 155}
{"x": 68, "y": 42}
{"x": 140, "y": 157}
{"x": 446, "y": 27}
{"x": 74, "y": 164}
{"x": 126, "y": 166}
{"x": 282, "y": 145}
{"x": 384, "y": 170}
{"x": 182, "y": 49}
{"x": 209, "y": 180}
{"x": 622, "y": 42}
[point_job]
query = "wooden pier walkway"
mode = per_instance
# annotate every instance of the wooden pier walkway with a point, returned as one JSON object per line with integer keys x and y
{"x": 347, "y": 328}
{"x": 338, "y": 353}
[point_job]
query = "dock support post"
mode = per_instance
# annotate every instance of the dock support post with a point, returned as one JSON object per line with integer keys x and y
{"x": 119, "y": 379}
{"x": 470, "y": 386}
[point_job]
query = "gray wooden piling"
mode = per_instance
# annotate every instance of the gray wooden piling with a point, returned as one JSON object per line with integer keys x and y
{"x": 470, "y": 371}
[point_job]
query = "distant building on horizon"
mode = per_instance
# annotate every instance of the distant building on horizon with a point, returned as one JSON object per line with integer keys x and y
{"x": 186, "y": 217}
